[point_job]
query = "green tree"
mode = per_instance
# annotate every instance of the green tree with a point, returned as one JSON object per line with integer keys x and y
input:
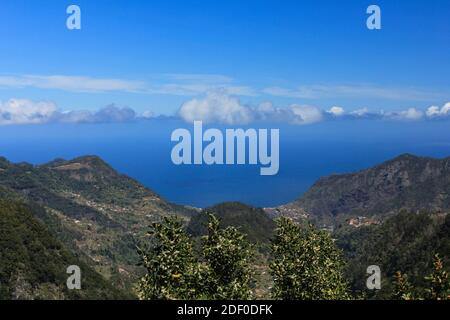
{"x": 227, "y": 257}
{"x": 171, "y": 267}
{"x": 402, "y": 288}
{"x": 173, "y": 271}
{"x": 306, "y": 264}
{"x": 439, "y": 281}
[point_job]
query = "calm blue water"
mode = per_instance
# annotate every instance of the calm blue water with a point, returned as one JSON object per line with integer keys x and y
{"x": 142, "y": 150}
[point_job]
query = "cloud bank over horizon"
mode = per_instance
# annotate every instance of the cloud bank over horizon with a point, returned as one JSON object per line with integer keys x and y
{"x": 217, "y": 107}
{"x": 24, "y": 111}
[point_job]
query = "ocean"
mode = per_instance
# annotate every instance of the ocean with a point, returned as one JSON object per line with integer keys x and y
{"x": 142, "y": 150}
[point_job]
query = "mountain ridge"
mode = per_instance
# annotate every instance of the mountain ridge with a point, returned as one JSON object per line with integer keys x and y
{"x": 405, "y": 182}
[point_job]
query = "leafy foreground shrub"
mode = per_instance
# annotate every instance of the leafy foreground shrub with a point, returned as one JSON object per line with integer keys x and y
{"x": 173, "y": 272}
{"x": 306, "y": 264}
{"x": 439, "y": 282}
{"x": 439, "y": 285}
{"x": 171, "y": 267}
{"x": 227, "y": 263}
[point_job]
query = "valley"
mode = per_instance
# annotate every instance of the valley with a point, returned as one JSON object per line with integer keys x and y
{"x": 396, "y": 210}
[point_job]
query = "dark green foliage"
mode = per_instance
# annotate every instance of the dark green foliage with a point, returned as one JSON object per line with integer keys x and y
{"x": 222, "y": 272}
{"x": 43, "y": 185}
{"x": 93, "y": 210}
{"x": 95, "y": 179}
{"x": 438, "y": 284}
{"x": 253, "y": 222}
{"x": 227, "y": 258}
{"x": 406, "y": 242}
{"x": 439, "y": 281}
{"x": 170, "y": 263}
{"x": 33, "y": 263}
{"x": 306, "y": 265}
{"x": 402, "y": 287}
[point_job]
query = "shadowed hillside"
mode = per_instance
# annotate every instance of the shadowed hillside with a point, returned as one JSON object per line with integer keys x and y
{"x": 33, "y": 263}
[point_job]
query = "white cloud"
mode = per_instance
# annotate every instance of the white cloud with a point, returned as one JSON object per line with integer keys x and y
{"x": 112, "y": 113}
{"x": 411, "y": 114}
{"x": 148, "y": 114}
{"x": 108, "y": 114}
{"x": 360, "y": 112}
{"x": 216, "y": 107}
{"x": 224, "y": 108}
{"x": 336, "y": 111}
{"x": 220, "y": 107}
{"x": 266, "y": 111}
{"x": 434, "y": 111}
{"x": 446, "y": 108}
{"x": 73, "y": 117}
{"x": 306, "y": 114}
{"x": 23, "y": 111}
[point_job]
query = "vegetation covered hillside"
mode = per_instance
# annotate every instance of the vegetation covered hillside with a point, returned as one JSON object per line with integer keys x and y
{"x": 406, "y": 242}
{"x": 83, "y": 212}
{"x": 93, "y": 210}
{"x": 33, "y": 263}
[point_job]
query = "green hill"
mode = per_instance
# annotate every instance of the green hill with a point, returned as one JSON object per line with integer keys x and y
{"x": 96, "y": 212}
{"x": 33, "y": 263}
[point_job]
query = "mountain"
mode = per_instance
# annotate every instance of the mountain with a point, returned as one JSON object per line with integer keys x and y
{"x": 33, "y": 262}
{"x": 97, "y": 213}
{"x": 394, "y": 215}
{"x": 83, "y": 212}
{"x": 406, "y": 182}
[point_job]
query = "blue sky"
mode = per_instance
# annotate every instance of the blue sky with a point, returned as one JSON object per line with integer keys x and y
{"x": 157, "y": 55}
{"x": 283, "y": 63}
